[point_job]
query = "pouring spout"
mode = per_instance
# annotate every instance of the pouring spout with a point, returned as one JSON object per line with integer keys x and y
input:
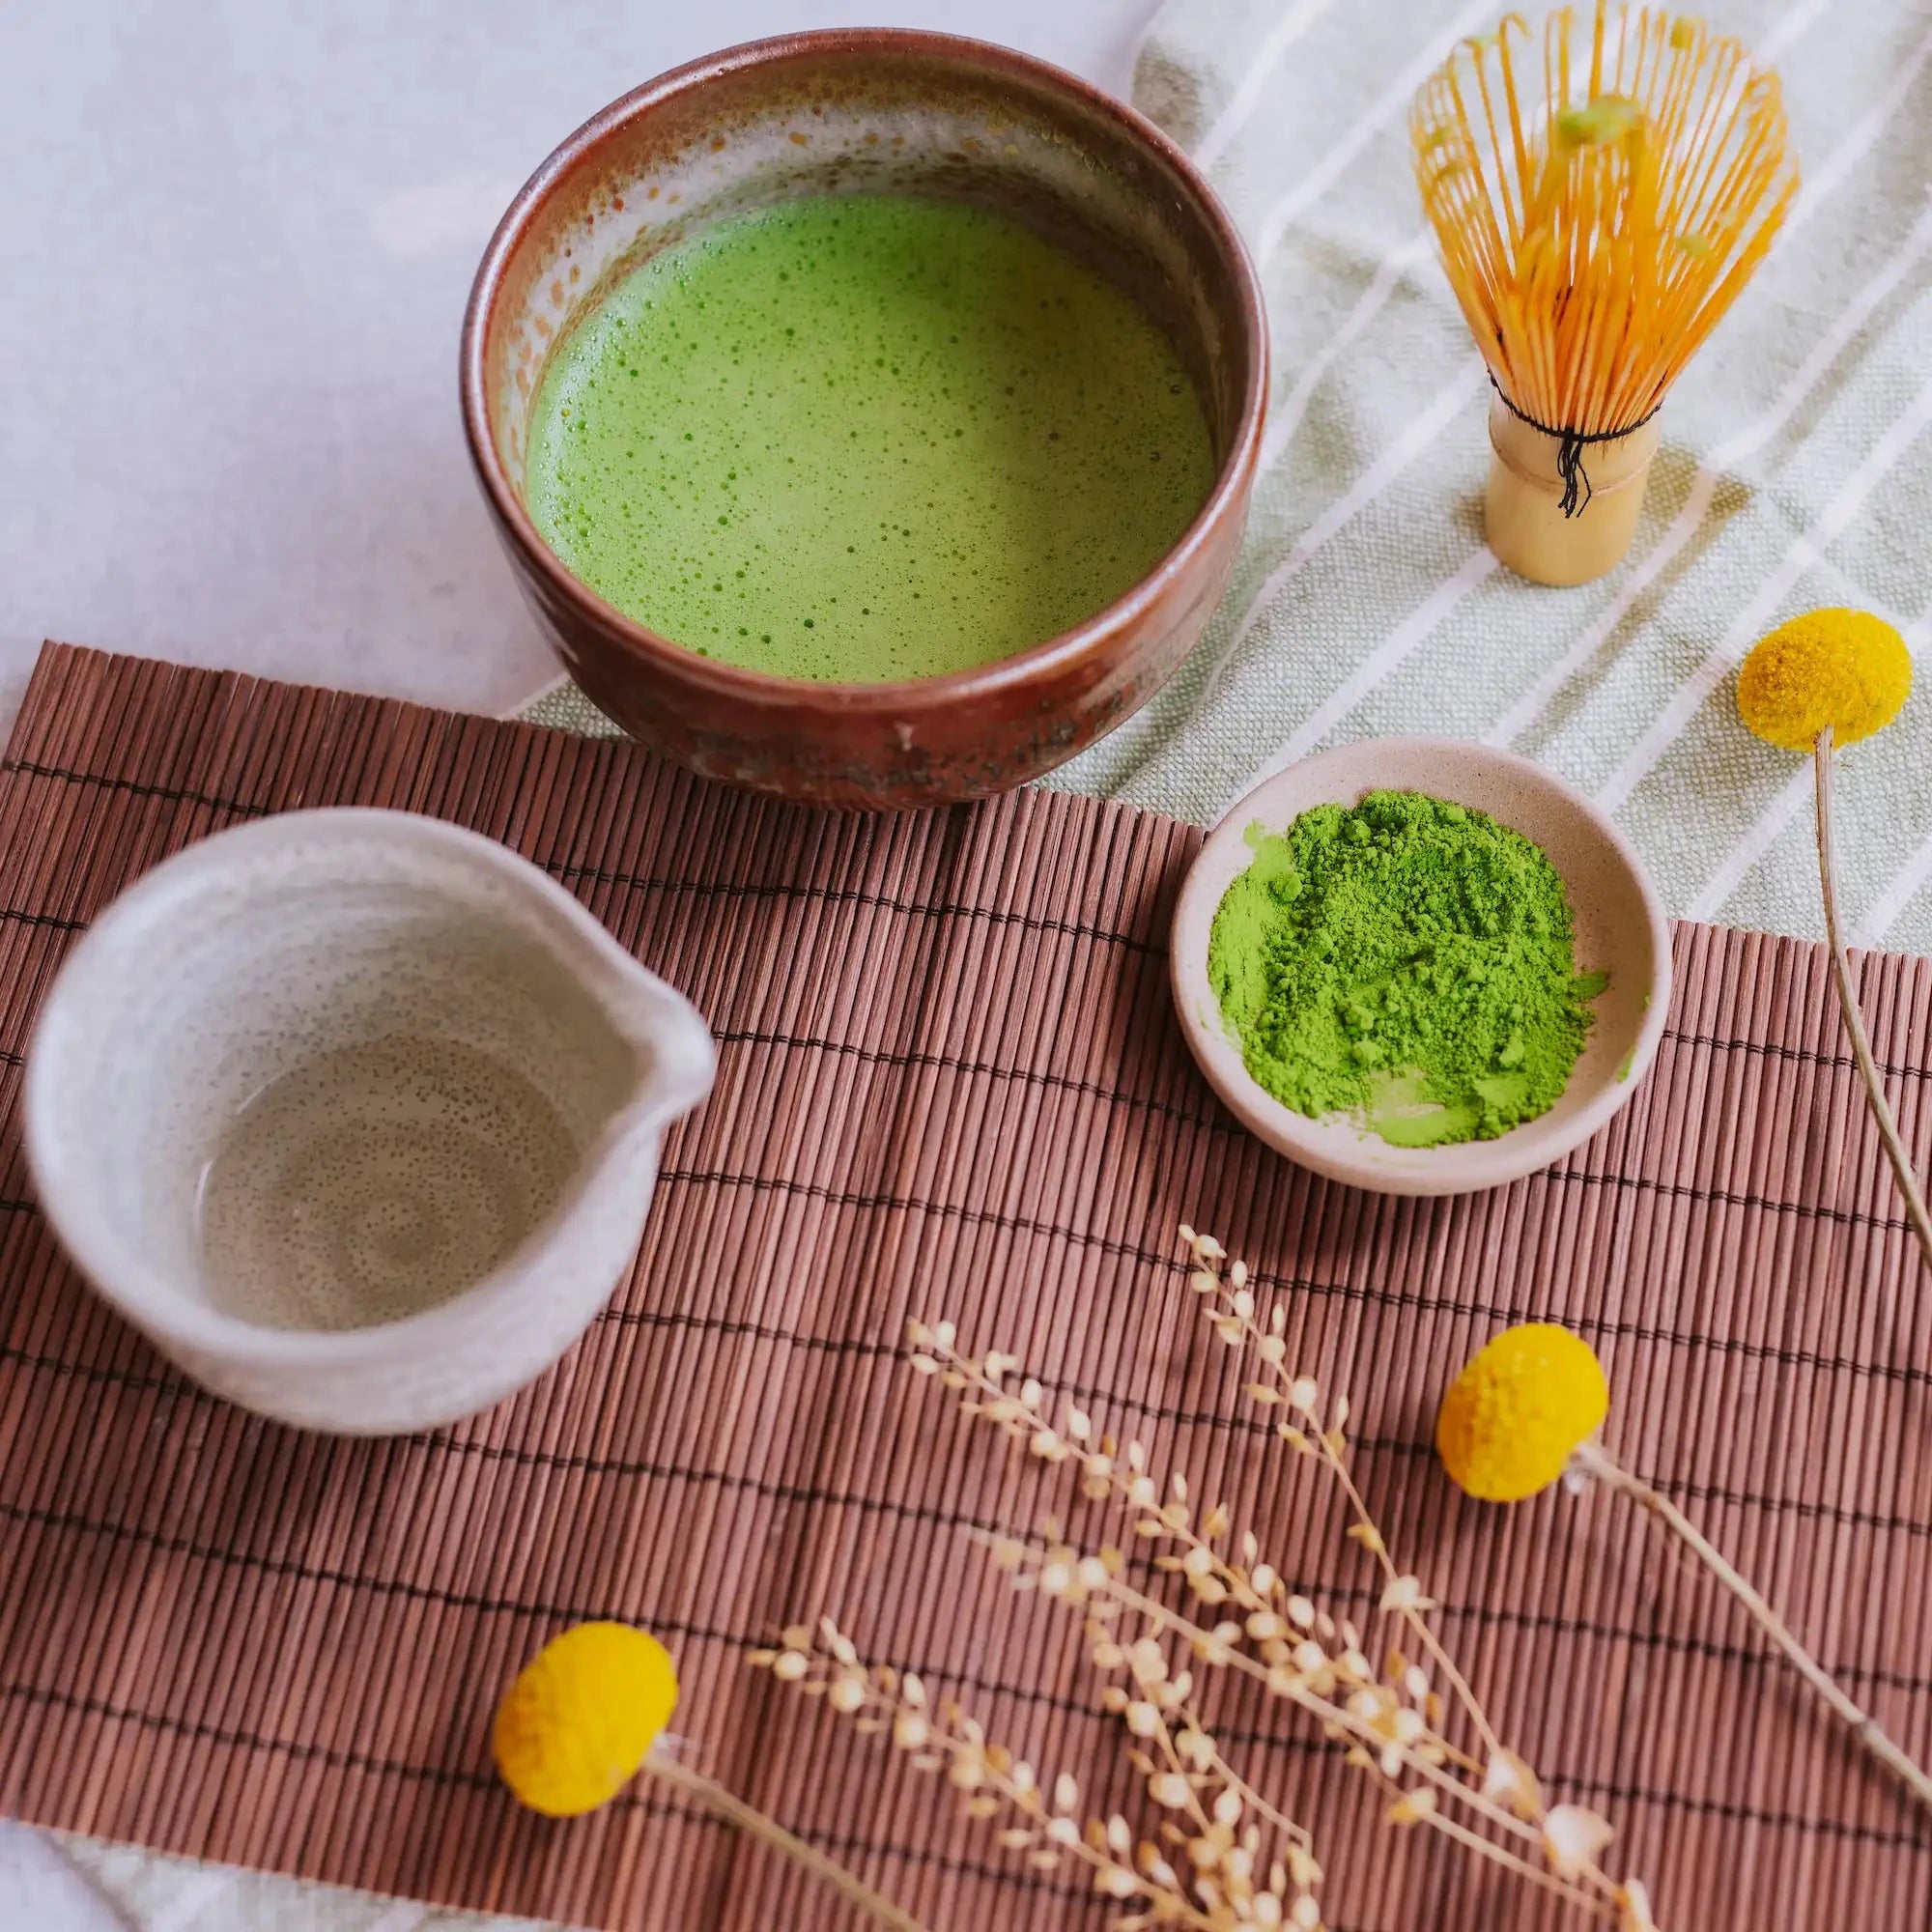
{"x": 687, "y": 1064}
{"x": 675, "y": 1057}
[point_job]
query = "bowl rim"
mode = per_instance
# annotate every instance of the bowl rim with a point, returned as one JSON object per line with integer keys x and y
{"x": 1525, "y": 1149}
{"x": 888, "y": 699}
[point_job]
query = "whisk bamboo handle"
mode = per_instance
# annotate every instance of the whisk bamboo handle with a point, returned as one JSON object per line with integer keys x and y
{"x": 1527, "y": 528}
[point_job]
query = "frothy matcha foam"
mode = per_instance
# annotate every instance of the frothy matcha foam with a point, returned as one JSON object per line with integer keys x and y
{"x": 864, "y": 437}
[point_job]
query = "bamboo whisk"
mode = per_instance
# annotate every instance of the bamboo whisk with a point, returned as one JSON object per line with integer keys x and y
{"x": 1598, "y": 205}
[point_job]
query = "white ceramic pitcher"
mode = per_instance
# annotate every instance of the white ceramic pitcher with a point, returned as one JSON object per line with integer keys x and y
{"x": 357, "y": 1115}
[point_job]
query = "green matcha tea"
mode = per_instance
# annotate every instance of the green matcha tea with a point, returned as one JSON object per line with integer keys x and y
{"x": 863, "y": 437}
{"x": 1406, "y": 960}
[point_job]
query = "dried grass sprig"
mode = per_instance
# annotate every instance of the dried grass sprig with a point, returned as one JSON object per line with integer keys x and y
{"x": 1278, "y": 1636}
{"x": 1202, "y": 1866}
{"x": 1209, "y": 1873}
{"x": 1270, "y": 1610}
{"x": 1365, "y": 1719}
{"x": 1235, "y": 1322}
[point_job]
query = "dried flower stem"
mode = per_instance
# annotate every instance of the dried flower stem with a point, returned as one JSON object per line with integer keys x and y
{"x": 1035, "y": 1563}
{"x": 991, "y": 1780}
{"x": 1848, "y": 1003}
{"x": 1231, "y": 1293}
{"x": 1475, "y": 1842}
{"x": 743, "y": 1817}
{"x": 1284, "y": 1628}
{"x": 1595, "y": 1461}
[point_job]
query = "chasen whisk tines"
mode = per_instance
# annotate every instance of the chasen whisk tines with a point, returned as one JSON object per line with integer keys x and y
{"x": 1601, "y": 190}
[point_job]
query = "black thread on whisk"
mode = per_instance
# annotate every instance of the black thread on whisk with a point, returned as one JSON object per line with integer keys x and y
{"x": 1570, "y": 446}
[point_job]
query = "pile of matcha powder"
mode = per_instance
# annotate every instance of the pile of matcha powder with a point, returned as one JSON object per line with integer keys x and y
{"x": 1407, "y": 961}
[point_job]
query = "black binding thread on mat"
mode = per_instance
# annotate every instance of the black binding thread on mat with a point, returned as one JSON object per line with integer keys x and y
{"x": 1570, "y": 446}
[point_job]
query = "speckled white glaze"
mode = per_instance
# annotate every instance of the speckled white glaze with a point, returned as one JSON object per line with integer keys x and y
{"x": 1620, "y": 930}
{"x": 357, "y": 1115}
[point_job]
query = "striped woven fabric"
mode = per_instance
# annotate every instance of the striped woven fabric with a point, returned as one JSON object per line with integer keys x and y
{"x": 1794, "y": 469}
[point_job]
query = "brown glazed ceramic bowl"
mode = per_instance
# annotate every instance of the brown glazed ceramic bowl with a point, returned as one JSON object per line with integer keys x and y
{"x": 852, "y": 111}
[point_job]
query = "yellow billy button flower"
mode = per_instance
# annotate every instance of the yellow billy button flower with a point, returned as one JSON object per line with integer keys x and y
{"x": 581, "y": 1720}
{"x": 1843, "y": 669}
{"x": 1514, "y": 1416}
{"x": 576, "y": 1726}
{"x": 1816, "y": 683}
{"x": 1527, "y": 1409}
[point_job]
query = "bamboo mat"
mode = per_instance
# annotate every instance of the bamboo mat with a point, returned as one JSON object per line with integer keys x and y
{"x": 950, "y": 1085}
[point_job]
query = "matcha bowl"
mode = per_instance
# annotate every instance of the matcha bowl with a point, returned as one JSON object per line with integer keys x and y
{"x": 1620, "y": 933}
{"x": 884, "y": 112}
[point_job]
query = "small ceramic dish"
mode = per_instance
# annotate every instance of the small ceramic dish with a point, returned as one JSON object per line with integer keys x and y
{"x": 1620, "y": 930}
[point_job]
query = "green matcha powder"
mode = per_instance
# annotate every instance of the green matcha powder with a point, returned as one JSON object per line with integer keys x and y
{"x": 1406, "y": 961}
